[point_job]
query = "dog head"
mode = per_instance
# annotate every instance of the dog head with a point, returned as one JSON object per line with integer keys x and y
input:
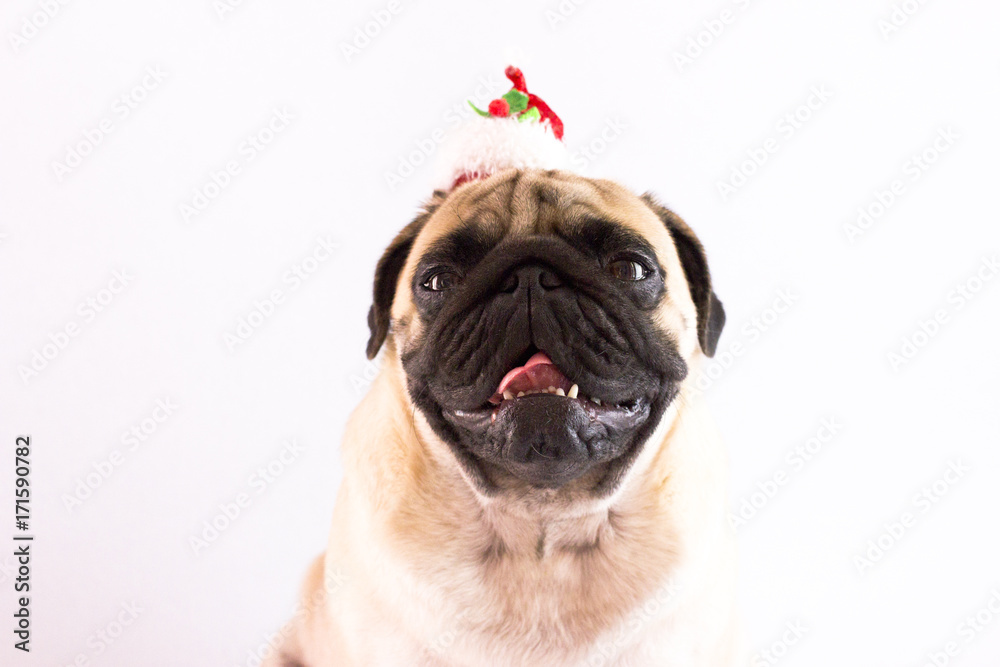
{"x": 544, "y": 322}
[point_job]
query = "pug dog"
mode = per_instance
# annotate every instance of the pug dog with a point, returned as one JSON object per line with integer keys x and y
{"x": 531, "y": 479}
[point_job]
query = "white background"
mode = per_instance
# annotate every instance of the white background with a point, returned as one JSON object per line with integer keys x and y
{"x": 685, "y": 128}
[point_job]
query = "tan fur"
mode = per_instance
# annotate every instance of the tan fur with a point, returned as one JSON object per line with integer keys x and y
{"x": 430, "y": 573}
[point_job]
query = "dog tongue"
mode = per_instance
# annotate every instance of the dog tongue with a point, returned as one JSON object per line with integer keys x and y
{"x": 536, "y": 374}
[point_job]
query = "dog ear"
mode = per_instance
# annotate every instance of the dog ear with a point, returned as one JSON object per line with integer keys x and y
{"x": 711, "y": 316}
{"x": 387, "y": 274}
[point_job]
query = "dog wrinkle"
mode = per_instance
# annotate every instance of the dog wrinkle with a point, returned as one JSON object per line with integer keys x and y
{"x": 540, "y": 546}
{"x": 495, "y": 551}
{"x": 582, "y": 549}
{"x": 478, "y": 191}
{"x": 545, "y": 194}
{"x": 524, "y": 196}
{"x": 512, "y": 194}
{"x": 599, "y": 321}
{"x": 523, "y": 211}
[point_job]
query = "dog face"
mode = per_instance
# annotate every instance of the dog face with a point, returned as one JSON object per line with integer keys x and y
{"x": 544, "y": 322}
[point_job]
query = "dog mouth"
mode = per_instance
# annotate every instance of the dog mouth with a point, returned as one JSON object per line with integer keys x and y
{"x": 544, "y": 428}
{"x": 538, "y": 378}
{"x": 538, "y": 375}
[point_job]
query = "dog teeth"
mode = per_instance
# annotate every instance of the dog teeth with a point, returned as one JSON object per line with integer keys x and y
{"x": 574, "y": 392}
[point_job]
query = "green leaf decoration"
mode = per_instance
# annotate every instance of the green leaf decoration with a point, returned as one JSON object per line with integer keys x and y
{"x": 478, "y": 110}
{"x": 530, "y": 114}
{"x": 517, "y": 100}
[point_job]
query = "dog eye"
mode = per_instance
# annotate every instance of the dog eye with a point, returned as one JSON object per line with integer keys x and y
{"x": 628, "y": 269}
{"x": 442, "y": 281}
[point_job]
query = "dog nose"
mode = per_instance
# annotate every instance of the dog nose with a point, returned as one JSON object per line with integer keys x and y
{"x": 530, "y": 275}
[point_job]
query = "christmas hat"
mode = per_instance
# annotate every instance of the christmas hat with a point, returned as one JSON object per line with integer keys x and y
{"x": 518, "y": 130}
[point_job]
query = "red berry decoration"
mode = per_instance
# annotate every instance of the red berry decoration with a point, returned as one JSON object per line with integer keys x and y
{"x": 499, "y": 107}
{"x": 521, "y": 104}
{"x": 516, "y": 78}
